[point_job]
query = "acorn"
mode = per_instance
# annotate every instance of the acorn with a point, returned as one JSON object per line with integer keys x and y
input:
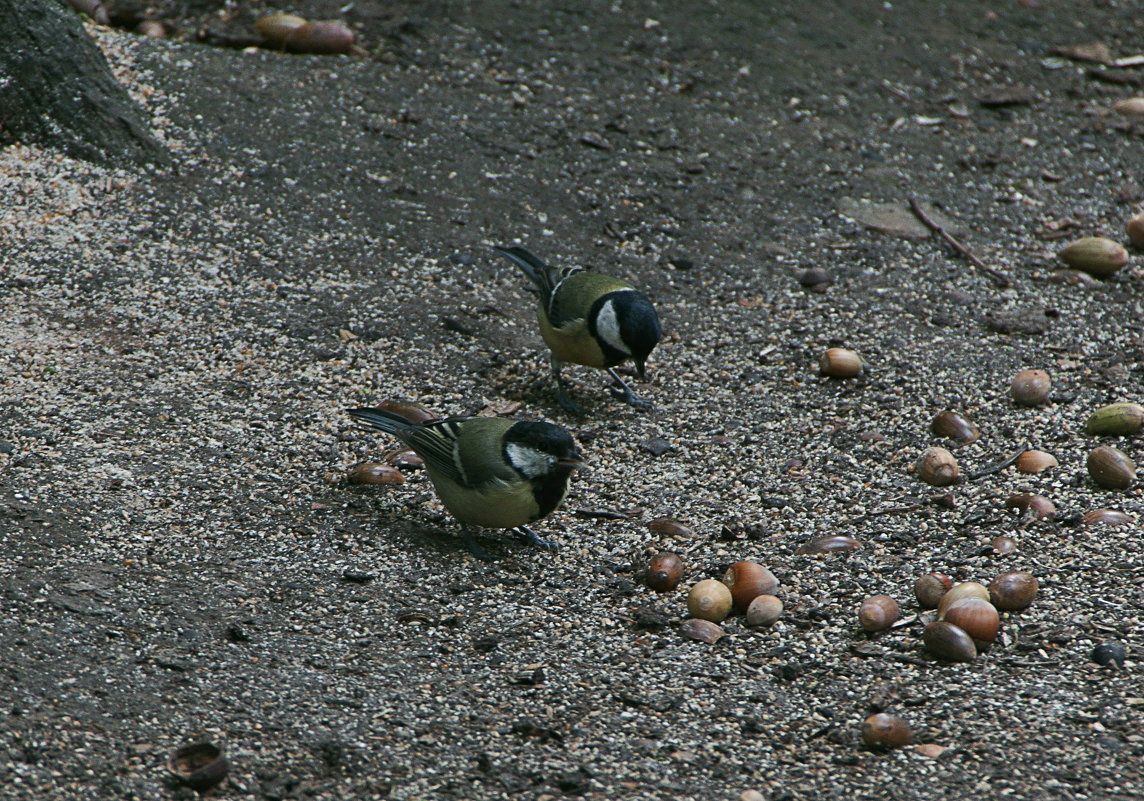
{"x": 275, "y": 28}
{"x": 1135, "y": 228}
{"x": 710, "y": 600}
{"x": 930, "y": 588}
{"x": 952, "y": 425}
{"x": 1003, "y": 545}
{"x": 1111, "y": 469}
{"x": 840, "y": 363}
{"x": 1107, "y": 517}
{"x": 838, "y": 542}
{"x": 1013, "y": 590}
{"x": 702, "y": 630}
{"x": 199, "y": 766}
{"x": 886, "y": 730}
{"x": 878, "y": 613}
{"x": 966, "y": 589}
{"x": 320, "y": 38}
{"x": 748, "y": 580}
{"x": 664, "y": 571}
{"x": 152, "y": 29}
{"x": 977, "y": 618}
{"x": 1033, "y": 462}
{"x": 669, "y": 527}
{"x": 937, "y": 467}
{"x": 1116, "y": 419}
{"x": 1130, "y": 106}
{"x": 1095, "y": 255}
{"x": 946, "y": 641}
{"x": 1038, "y": 506}
{"x": 1030, "y": 388}
{"x": 374, "y": 473}
{"x": 764, "y": 611}
{"x": 413, "y": 412}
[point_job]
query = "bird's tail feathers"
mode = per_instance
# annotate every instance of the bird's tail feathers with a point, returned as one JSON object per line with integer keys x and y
{"x": 537, "y": 271}
{"x": 388, "y": 422}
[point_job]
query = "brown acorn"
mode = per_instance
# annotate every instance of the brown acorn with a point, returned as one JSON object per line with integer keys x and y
{"x": 930, "y": 588}
{"x": 1095, "y": 255}
{"x": 946, "y": 641}
{"x": 275, "y": 28}
{"x": 664, "y": 571}
{"x": 878, "y": 613}
{"x": 374, "y": 473}
{"x": 1111, "y": 469}
{"x": 1030, "y": 388}
{"x": 1135, "y": 228}
{"x": 1033, "y": 462}
{"x": 1013, "y": 590}
{"x": 952, "y": 425}
{"x": 886, "y": 730}
{"x": 838, "y": 542}
{"x": 966, "y": 589}
{"x": 748, "y": 580}
{"x": 1107, "y": 517}
{"x": 702, "y": 630}
{"x": 669, "y": 527}
{"x": 976, "y": 617}
{"x": 840, "y": 363}
{"x": 937, "y": 467}
{"x": 1037, "y": 506}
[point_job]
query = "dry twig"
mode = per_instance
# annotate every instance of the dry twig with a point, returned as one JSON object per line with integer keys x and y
{"x": 998, "y": 278}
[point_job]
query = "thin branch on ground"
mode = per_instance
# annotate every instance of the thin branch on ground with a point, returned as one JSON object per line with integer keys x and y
{"x": 998, "y": 278}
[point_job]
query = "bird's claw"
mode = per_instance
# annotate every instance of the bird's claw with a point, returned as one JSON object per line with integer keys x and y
{"x": 525, "y": 534}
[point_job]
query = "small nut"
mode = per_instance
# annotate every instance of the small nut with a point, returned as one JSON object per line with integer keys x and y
{"x": 1030, "y": 388}
{"x": 930, "y": 588}
{"x": 886, "y": 730}
{"x": 952, "y": 425}
{"x": 1003, "y": 545}
{"x": 838, "y": 542}
{"x": 664, "y": 571}
{"x": 946, "y": 641}
{"x": 1038, "y": 506}
{"x": 747, "y": 581}
{"x": 710, "y": 600}
{"x": 1130, "y": 106}
{"x": 764, "y": 611}
{"x": 966, "y": 589}
{"x": 275, "y": 28}
{"x": 937, "y": 467}
{"x": 1095, "y": 255}
{"x": 878, "y": 613}
{"x": 374, "y": 473}
{"x": 1116, "y": 419}
{"x": 1013, "y": 590}
{"x": 1111, "y": 469}
{"x": 840, "y": 363}
{"x": 321, "y": 38}
{"x": 1107, "y": 517}
{"x": 199, "y": 766}
{"x": 1033, "y": 462}
{"x": 1109, "y": 653}
{"x": 977, "y": 618}
{"x": 1135, "y": 228}
{"x": 669, "y": 527}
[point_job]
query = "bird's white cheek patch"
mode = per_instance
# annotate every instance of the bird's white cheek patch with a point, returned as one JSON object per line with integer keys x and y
{"x": 529, "y": 461}
{"x": 608, "y": 328}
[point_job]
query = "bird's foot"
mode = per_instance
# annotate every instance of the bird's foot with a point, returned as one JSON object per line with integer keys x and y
{"x": 622, "y": 391}
{"x": 525, "y": 534}
{"x": 477, "y": 550}
{"x": 566, "y": 402}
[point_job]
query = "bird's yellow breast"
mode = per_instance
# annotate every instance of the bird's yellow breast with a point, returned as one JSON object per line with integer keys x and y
{"x": 572, "y": 343}
{"x": 498, "y": 505}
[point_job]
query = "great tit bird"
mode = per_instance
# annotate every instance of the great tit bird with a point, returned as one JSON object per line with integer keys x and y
{"x": 489, "y": 471}
{"x": 590, "y": 319}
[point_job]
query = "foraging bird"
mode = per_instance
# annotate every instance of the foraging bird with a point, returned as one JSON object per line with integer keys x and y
{"x": 489, "y": 471}
{"x": 590, "y": 319}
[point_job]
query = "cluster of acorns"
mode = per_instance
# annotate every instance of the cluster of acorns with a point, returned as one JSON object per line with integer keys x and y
{"x": 746, "y": 587}
{"x": 968, "y": 613}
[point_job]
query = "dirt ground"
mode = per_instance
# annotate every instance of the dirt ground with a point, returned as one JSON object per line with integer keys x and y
{"x": 184, "y": 561}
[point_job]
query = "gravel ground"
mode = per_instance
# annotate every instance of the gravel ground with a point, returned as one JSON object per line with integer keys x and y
{"x": 185, "y": 561}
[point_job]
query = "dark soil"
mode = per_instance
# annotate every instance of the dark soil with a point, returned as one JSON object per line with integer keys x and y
{"x": 184, "y": 560}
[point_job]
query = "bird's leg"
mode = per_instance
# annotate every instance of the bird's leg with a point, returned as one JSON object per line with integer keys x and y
{"x": 625, "y": 392}
{"x": 525, "y": 534}
{"x": 562, "y": 396}
{"x": 475, "y": 549}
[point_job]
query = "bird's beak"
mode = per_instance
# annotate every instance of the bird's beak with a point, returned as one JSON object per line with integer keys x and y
{"x": 641, "y": 370}
{"x": 572, "y": 463}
